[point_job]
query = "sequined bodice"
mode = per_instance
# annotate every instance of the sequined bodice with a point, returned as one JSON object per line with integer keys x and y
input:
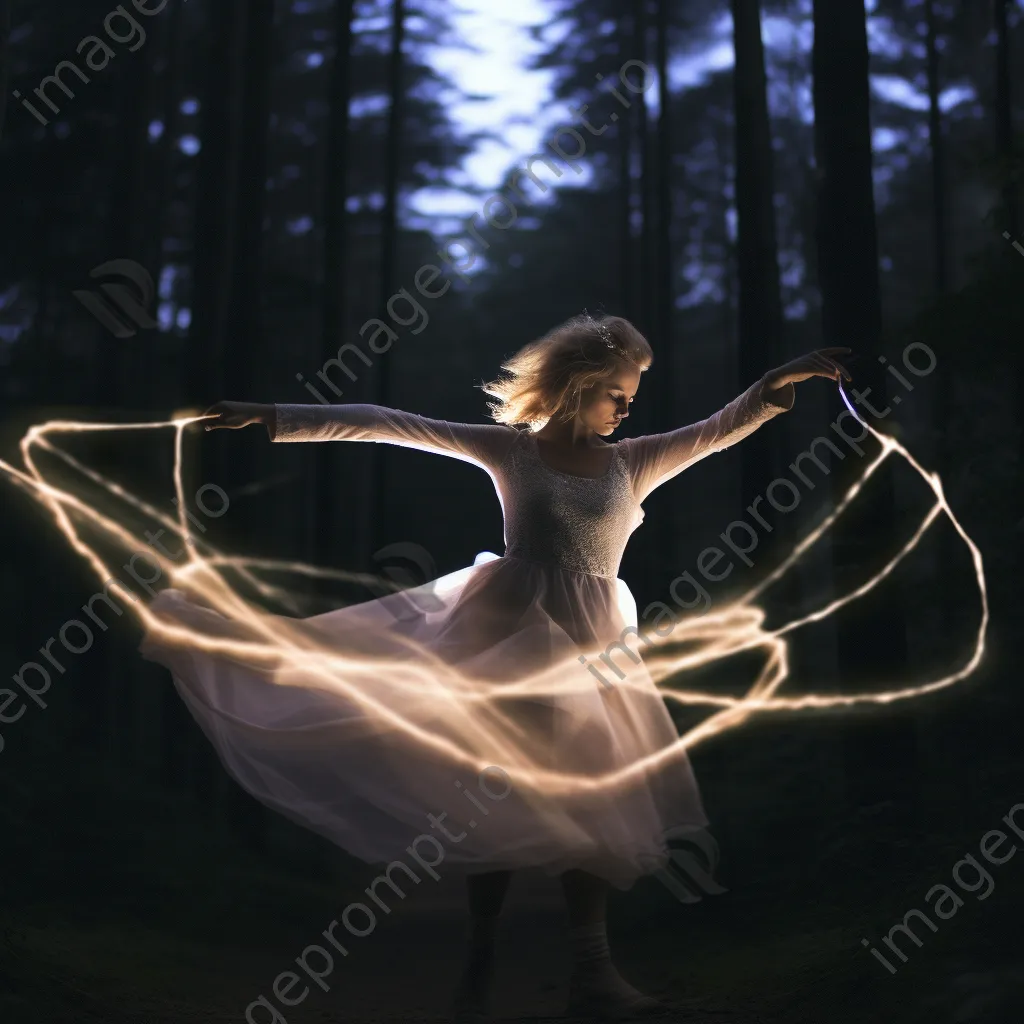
{"x": 577, "y": 523}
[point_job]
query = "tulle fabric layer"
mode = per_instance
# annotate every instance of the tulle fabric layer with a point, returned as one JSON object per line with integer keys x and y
{"x": 380, "y": 722}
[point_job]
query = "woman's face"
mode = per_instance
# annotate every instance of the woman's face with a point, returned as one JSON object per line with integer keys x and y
{"x": 605, "y": 404}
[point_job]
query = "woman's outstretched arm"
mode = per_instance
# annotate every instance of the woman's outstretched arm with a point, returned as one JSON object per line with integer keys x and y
{"x": 482, "y": 444}
{"x": 656, "y": 458}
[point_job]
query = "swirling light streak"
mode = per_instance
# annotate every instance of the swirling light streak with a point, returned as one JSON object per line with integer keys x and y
{"x": 283, "y": 643}
{"x": 295, "y": 653}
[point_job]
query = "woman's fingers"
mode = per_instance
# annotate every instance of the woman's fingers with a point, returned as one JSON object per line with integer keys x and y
{"x": 830, "y": 353}
{"x": 222, "y": 416}
{"x": 819, "y": 363}
{"x": 213, "y": 416}
{"x": 833, "y": 367}
{"x": 819, "y": 366}
{"x": 838, "y": 370}
{"x": 233, "y": 415}
{"x": 830, "y": 368}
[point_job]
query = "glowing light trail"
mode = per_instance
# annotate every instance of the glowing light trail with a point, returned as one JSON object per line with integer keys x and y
{"x": 295, "y": 652}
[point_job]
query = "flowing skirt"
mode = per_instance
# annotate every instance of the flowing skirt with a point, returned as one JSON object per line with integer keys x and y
{"x": 462, "y": 715}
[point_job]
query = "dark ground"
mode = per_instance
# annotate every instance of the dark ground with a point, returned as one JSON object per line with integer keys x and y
{"x": 124, "y": 901}
{"x": 132, "y": 911}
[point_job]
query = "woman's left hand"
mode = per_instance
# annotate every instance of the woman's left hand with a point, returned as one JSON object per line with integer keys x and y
{"x": 821, "y": 363}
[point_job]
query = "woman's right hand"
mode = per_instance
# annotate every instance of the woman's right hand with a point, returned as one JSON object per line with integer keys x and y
{"x": 235, "y": 415}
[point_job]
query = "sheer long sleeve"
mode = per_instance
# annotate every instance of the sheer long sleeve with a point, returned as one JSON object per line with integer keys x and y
{"x": 483, "y": 444}
{"x": 656, "y": 458}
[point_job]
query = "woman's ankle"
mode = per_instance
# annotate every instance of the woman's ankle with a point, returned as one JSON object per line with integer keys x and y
{"x": 590, "y": 945}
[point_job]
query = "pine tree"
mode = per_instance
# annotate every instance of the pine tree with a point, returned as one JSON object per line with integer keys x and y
{"x": 876, "y": 753}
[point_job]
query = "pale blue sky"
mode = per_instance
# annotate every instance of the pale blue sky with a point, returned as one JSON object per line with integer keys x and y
{"x": 519, "y": 110}
{"x": 499, "y": 35}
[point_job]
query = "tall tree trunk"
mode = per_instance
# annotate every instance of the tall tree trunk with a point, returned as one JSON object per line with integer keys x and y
{"x": 1004, "y": 115}
{"x": 1006, "y": 149}
{"x": 5, "y": 49}
{"x": 645, "y": 285}
{"x": 325, "y": 501}
{"x": 627, "y": 128}
{"x": 665, "y": 278}
{"x": 165, "y": 716}
{"x": 935, "y": 735}
{"x": 940, "y": 236}
{"x": 646, "y": 149}
{"x": 112, "y": 704}
{"x": 245, "y": 341}
{"x": 938, "y": 148}
{"x": 118, "y": 363}
{"x": 730, "y": 272}
{"x": 761, "y": 323}
{"x": 215, "y": 246}
{"x": 228, "y": 325}
{"x": 388, "y": 267}
{"x": 879, "y": 753}
{"x": 245, "y": 344}
{"x": 216, "y": 221}
{"x": 163, "y": 192}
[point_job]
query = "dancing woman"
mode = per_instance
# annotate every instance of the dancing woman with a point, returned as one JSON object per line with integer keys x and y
{"x": 482, "y": 667}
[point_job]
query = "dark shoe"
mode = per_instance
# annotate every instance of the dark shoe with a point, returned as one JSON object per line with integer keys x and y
{"x": 472, "y": 1000}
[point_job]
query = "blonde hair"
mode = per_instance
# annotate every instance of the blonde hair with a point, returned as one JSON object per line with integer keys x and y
{"x": 548, "y": 377}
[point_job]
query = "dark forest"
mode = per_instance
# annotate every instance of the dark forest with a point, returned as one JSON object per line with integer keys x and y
{"x": 300, "y": 201}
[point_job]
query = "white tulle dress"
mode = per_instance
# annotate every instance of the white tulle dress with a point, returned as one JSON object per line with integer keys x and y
{"x": 460, "y": 710}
